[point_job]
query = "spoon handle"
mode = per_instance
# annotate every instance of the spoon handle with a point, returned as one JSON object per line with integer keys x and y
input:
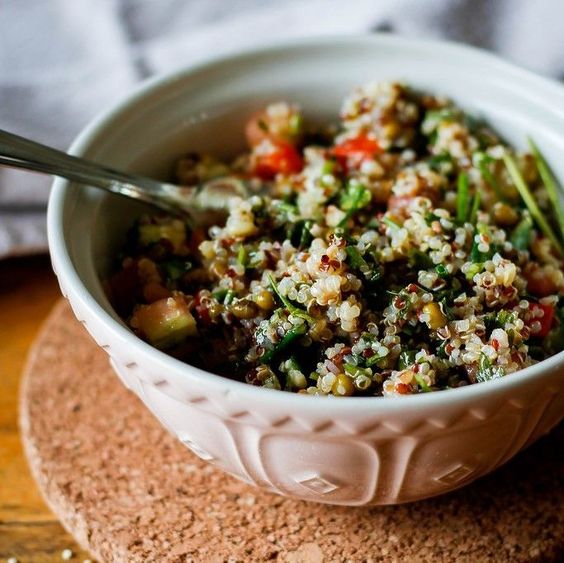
{"x": 19, "y": 152}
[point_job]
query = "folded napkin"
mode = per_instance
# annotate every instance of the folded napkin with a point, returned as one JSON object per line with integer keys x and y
{"x": 62, "y": 61}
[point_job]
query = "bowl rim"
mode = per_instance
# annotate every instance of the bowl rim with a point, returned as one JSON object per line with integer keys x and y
{"x": 138, "y": 348}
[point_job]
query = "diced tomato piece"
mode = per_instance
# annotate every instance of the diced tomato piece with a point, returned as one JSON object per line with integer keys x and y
{"x": 545, "y": 321}
{"x": 155, "y": 291}
{"x": 402, "y": 389}
{"x": 354, "y": 151}
{"x": 283, "y": 159}
{"x": 538, "y": 282}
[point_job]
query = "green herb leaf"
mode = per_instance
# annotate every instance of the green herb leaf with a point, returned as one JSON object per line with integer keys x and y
{"x": 521, "y": 235}
{"x": 441, "y": 350}
{"x": 175, "y": 268}
{"x": 299, "y": 233}
{"x": 486, "y": 370}
{"x": 442, "y": 271}
{"x": 219, "y": 294}
{"x": 291, "y": 308}
{"x": 419, "y": 259}
{"x": 406, "y": 359}
{"x": 355, "y": 197}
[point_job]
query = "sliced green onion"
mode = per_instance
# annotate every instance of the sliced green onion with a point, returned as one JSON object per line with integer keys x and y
{"x": 219, "y": 294}
{"x": 462, "y": 198}
{"x": 530, "y": 202}
{"x": 373, "y": 360}
{"x": 421, "y": 382}
{"x": 355, "y": 371}
{"x": 242, "y": 256}
{"x": 441, "y": 271}
{"x": 229, "y": 296}
{"x": 550, "y": 183}
{"x": 474, "y": 269}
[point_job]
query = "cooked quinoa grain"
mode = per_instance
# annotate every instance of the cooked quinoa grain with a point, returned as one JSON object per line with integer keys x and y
{"x": 406, "y": 250}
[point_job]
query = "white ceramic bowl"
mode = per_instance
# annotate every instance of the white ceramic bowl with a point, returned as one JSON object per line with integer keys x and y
{"x": 351, "y": 451}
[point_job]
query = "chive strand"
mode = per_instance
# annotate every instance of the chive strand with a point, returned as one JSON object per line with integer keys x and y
{"x": 530, "y": 202}
{"x": 462, "y": 198}
{"x": 552, "y": 187}
{"x": 491, "y": 180}
{"x": 475, "y": 207}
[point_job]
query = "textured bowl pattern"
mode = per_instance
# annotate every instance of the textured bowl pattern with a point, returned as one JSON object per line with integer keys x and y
{"x": 351, "y": 451}
{"x": 358, "y": 461}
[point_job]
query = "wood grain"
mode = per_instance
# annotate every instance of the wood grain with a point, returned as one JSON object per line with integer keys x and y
{"x": 28, "y": 530}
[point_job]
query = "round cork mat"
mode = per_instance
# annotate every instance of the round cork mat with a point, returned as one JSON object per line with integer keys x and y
{"x": 128, "y": 491}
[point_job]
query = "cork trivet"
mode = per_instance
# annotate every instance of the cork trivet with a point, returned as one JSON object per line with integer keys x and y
{"x": 129, "y": 491}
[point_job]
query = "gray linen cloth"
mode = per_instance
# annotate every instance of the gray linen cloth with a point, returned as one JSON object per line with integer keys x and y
{"x": 62, "y": 61}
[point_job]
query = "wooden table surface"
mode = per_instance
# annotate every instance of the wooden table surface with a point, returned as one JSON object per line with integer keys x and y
{"x": 28, "y": 530}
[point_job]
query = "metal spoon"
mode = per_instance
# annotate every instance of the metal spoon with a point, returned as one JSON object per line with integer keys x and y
{"x": 211, "y": 196}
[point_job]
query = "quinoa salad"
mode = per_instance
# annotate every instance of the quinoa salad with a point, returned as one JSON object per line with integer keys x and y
{"x": 403, "y": 249}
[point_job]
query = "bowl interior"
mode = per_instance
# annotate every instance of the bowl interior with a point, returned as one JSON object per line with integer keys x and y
{"x": 205, "y": 110}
